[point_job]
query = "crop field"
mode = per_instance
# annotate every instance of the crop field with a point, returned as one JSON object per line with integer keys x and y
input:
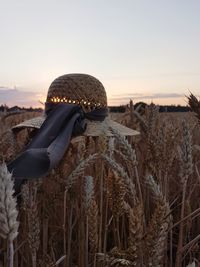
{"x": 112, "y": 201}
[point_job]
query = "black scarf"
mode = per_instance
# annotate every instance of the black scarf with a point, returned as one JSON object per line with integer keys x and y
{"x": 47, "y": 148}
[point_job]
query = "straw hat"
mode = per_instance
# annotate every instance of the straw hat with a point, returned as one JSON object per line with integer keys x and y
{"x": 86, "y": 91}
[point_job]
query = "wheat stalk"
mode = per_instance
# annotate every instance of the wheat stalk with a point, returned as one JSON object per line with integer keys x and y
{"x": 34, "y": 232}
{"x": 31, "y": 206}
{"x": 92, "y": 218}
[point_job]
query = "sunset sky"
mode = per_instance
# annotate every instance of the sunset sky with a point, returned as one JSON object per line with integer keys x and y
{"x": 147, "y": 50}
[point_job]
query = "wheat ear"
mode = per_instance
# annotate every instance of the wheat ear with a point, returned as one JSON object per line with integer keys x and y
{"x": 116, "y": 191}
{"x": 134, "y": 250}
{"x": 186, "y": 165}
{"x": 79, "y": 170}
{"x": 155, "y": 240}
{"x": 129, "y": 154}
{"x": 195, "y": 105}
{"x": 118, "y": 169}
{"x": 110, "y": 260}
{"x": 8, "y": 212}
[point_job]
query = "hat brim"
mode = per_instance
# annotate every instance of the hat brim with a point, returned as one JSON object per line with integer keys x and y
{"x": 94, "y": 128}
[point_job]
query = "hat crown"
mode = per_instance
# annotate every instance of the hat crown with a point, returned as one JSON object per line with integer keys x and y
{"x": 82, "y": 89}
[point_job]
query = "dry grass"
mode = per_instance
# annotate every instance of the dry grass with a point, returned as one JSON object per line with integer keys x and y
{"x": 111, "y": 202}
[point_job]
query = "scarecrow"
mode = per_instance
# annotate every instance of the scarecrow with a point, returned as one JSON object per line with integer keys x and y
{"x": 76, "y": 105}
{"x": 83, "y": 204}
{"x": 69, "y": 213}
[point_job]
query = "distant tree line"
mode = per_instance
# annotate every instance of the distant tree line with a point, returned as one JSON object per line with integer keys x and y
{"x": 174, "y": 109}
{"x": 121, "y": 109}
{"x": 5, "y": 108}
{"x": 167, "y": 108}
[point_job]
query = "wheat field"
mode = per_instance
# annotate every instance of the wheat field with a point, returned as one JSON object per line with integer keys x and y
{"x": 111, "y": 201}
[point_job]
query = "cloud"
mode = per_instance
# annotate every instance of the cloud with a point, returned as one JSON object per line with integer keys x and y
{"x": 127, "y": 97}
{"x": 20, "y": 97}
{"x": 12, "y": 97}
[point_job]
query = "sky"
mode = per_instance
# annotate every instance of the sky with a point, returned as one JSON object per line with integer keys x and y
{"x": 145, "y": 50}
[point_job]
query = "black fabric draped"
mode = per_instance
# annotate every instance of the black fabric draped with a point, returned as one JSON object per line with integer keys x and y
{"x": 47, "y": 148}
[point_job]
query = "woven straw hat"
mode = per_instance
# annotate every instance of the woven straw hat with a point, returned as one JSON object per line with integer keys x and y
{"x": 86, "y": 91}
